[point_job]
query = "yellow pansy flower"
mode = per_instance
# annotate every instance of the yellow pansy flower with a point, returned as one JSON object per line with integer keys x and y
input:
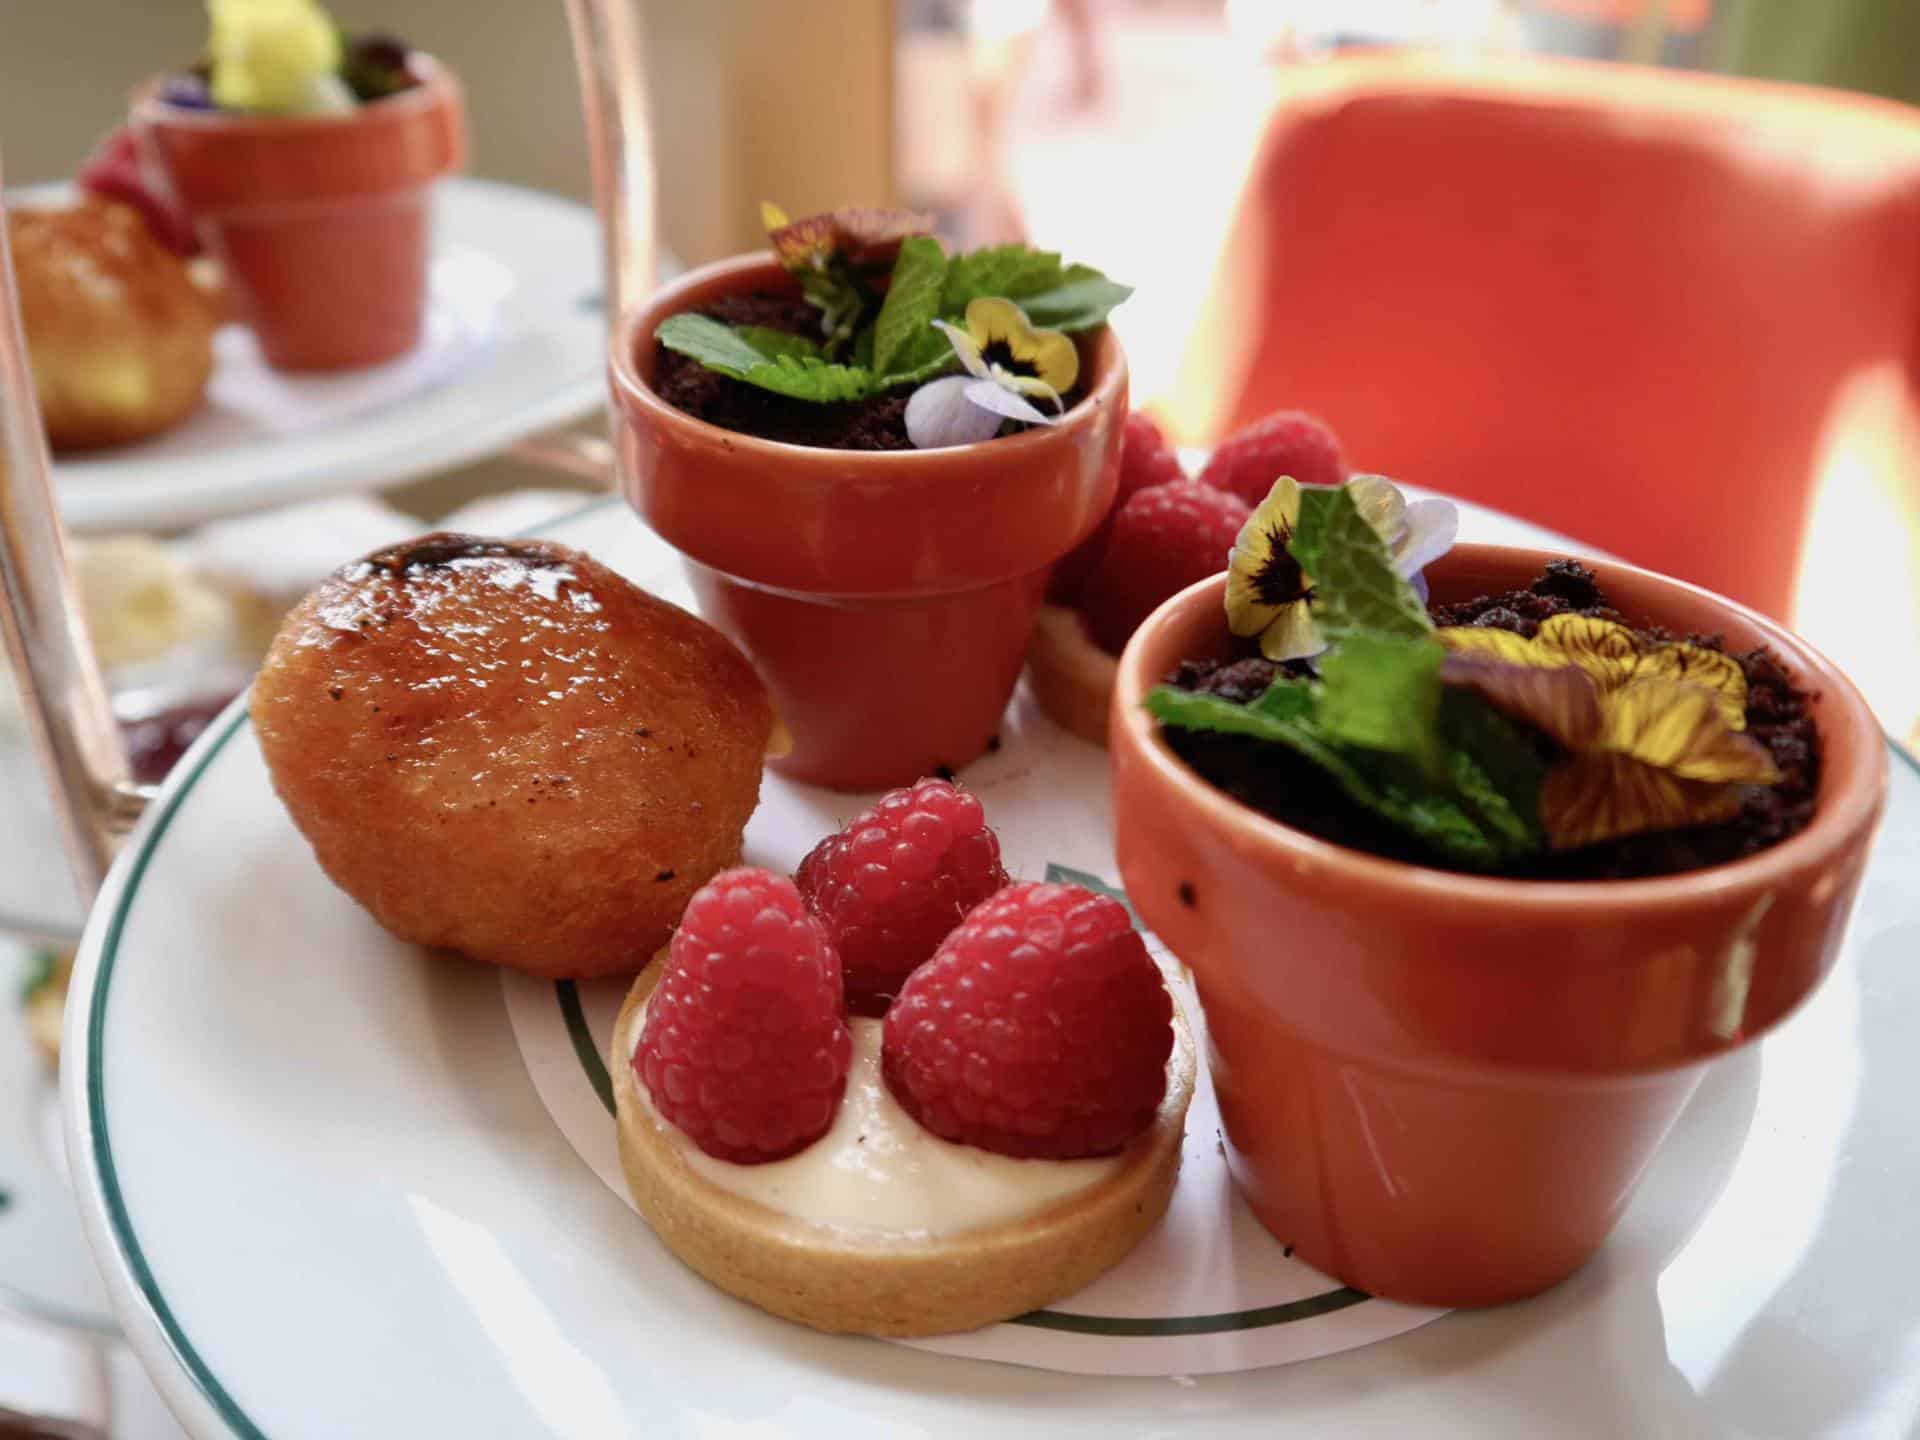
{"x": 281, "y": 55}
{"x": 1268, "y": 595}
{"x": 1652, "y": 732}
{"x": 1006, "y": 359}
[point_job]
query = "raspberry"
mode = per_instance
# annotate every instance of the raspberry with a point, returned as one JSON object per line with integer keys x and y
{"x": 892, "y": 885}
{"x": 1146, "y": 460}
{"x": 113, "y": 173}
{"x": 1041, "y": 1028}
{"x": 745, "y": 1047}
{"x": 1163, "y": 540}
{"x": 1288, "y": 442}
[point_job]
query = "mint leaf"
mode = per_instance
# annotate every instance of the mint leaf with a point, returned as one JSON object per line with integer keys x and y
{"x": 774, "y": 343}
{"x": 1496, "y": 766}
{"x": 1355, "y": 586}
{"x": 1060, "y": 297}
{"x": 921, "y": 360}
{"x": 1389, "y": 786}
{"x": 716, "y": 346}
{"x": 1309, "y": 539}
{"x": 1382, "y": 692}
{"x": 722, "y": 349}
{"x": 1287, "y": 700}
{"x": 913, "y": 300}
{"x": 1084, "y": 301}
{"x": 1007, "y": 270}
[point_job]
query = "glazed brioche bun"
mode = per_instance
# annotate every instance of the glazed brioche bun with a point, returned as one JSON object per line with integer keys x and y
{"x": 119, "y": 332}
{"x": 505, "y": 748}
{"x": 875, "y": 1283}
{"x": 1071, "y": 676}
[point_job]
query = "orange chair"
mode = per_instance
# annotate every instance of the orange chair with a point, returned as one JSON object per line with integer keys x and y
{"x": 1659, "y": 312}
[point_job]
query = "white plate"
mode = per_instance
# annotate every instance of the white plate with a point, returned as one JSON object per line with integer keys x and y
{"x": 329, "y": 1202}
{"x": 515, "y": 343}
{"x": 46, "y": 1271}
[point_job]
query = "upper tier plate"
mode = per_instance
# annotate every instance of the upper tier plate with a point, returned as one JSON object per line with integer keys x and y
{"x": 515, "y": 342}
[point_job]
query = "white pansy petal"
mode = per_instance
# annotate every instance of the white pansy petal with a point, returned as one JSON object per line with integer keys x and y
{"x": 1028, "y": 385}
{"x": 1432, "y": 527}
{"x": 963, "y": 346}
{"x": 941, "y": 413}
{"x": 990, "y": 395}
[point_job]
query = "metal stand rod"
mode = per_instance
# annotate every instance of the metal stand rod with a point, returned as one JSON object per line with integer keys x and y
{"x": 608, "y": 50}
{"x": 46, "y": 635}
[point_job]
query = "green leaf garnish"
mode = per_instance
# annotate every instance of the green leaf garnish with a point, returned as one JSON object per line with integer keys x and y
{"x": 1382, "y": 692}
{"x": 1390, "y": 786}
{"x": 1059, "y": 297}
{"x": 1011, "y": 271}
{"x": 912, "y": 303}
{"x": 802, "y": 376}
{"x": 873, "y": 338}
{"x": 1496, "y": 766}
{"x": 772, "y": 344}
{"x": 1355, "y": 586}
{"x": 1082, "y": 301}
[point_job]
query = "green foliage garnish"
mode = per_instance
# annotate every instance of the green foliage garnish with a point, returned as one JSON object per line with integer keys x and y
{"x": 1441, "y": 764}
{"x": 873, "y": 339}
{"x": 1382, "y": 692}
{"x": 1060, "y": 297}
{"x": 1355, "y": 587}
{"x": 1391, "y": 786}
{"x": 912, "y": 303}
{"x": 729, "y": 351}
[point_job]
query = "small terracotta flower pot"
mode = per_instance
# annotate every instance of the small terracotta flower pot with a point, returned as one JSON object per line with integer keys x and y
{"x": 1443, "y": 1088}
{"x": 886, "y": 596}
{"x": 321, "y": 221}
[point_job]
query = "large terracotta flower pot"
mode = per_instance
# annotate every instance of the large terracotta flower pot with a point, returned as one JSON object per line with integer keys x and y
{"x": 1443, "y": 1088}
{"x": 320, "y": 221}
{"x": 886, "y": 596}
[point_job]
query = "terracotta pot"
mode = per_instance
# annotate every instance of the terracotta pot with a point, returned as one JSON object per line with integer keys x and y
{"x": 1443, "y": 1088}
{"x": 321, "y": 221}
{"x": 886, "y": 596}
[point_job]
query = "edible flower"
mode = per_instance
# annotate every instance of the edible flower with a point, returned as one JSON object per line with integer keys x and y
{"x": 1652, "y": 732}
{"x": 836, "y": 256}
{"x": 1269, "y": 596}
{"x": 275, "y": 55}
{"x": 862, "y": 234}
{"x": 1006, "y": 359}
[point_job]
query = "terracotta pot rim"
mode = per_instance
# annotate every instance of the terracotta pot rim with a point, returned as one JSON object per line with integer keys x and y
{"x": 1849, "y": 799}
{"x": 643, "y": 318}
{"x": 438, "y": 86}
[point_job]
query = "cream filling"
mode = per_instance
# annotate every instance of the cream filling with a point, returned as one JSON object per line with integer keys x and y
{"x": 877, "y": 1169}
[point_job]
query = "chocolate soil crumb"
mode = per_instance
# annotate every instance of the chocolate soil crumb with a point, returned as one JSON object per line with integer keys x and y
{"x": 877, "y": 423}
{"x": 1275, "y": 781}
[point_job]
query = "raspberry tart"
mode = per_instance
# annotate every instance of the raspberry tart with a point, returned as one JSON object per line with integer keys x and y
{"x": 1007, "y": 1132}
